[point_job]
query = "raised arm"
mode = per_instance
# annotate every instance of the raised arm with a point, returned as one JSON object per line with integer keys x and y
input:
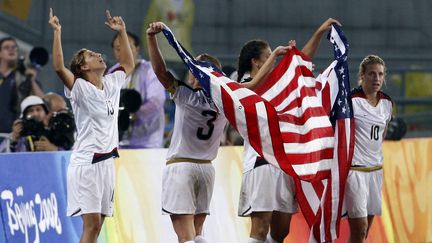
{"x": 126, "y": 59}
{"x": 156, "y": 59}
{"x": 312, "y": 45}
{"x": 58, "y": 63}
{"x": 265, "y": 70}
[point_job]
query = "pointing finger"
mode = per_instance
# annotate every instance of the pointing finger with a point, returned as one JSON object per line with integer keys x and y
{"x": 108, "y": 14}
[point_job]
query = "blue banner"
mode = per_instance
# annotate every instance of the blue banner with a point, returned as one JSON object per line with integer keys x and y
{"x": 33, "y": 199}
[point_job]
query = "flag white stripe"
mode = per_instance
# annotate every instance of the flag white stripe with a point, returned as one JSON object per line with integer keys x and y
{"x": 267, "y": 146}
{"x": 312, "y": 168}
{"x": 287, "y": 78}
{"x": 299, "y": 112}
{"x": 309, "y": 192}
{"x": 281, "y": 83}
{"x": 307, "y": 101}
{"x": 308, "y": 147}
{"x": 323, "y": 225}
{"x": 311, "y": 123}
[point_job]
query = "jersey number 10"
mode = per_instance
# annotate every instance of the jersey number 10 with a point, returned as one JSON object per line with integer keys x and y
{"x": 374, "y": 135}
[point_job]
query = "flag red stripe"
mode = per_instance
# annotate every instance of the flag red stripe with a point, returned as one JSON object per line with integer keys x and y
{"x": 298, "y": 102}
{"x": 217, "y": 74}
{"x": 320, "y": 175}
{"x": 276, "y": 139}
{"x": 287, "y": 90}
{"x": 276, "y": 74}
{"x": 291, "y": 137}
{"x": 234, "y": 86}
{"x": 311, "y": 157}
{"x": 319, "y": 188}
{"x": 307, "y": 113}
{"x": 326, "y": 99}
{"x": 328, "y": 209}
{"x": 228, "y": 107}
{"x": 303, "y": 202}
{"x": 293, "y": 85}
{"x": 281, "y": 69}
{"x": 249, "y": 106}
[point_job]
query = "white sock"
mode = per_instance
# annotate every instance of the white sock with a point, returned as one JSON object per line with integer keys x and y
{"x": 270, "y": 239}
{"x": 252, "y": 240}
{"x": 189, "y": 241}
{"x": 200, "y": 239}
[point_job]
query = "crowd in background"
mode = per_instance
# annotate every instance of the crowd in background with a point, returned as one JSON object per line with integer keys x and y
{"x": 34, "y": 119}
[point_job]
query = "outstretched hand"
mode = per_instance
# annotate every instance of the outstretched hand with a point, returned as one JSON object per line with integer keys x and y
{"x": 327, "y": 24}
{"x": 115, "y": 23}
{"x": 292, "y": 43}
{"x": 54, "y": 21}
{"x": 282, "y": 50}
{"x": 155, "y": 28}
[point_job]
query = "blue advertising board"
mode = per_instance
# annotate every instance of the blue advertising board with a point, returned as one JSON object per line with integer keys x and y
{"x": 33, "y": 199}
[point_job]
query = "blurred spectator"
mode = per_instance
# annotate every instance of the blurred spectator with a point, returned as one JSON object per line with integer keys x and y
{"x": 178, "y": 15}
{"x": 146, "y": 127}
{"x": 169, "y": 108}
{"x": 54, "y": 103}
{"x": 33, "y": 131}
{"x": 16, "y": 82}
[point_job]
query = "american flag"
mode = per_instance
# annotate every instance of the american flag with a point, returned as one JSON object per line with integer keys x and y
{"x": 295, "y": 136}
{"x": 321, "y": 201}
{"x": 284, "y": 120}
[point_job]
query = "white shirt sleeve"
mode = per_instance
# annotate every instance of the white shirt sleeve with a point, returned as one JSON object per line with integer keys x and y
{"x": 182, "y": 93}
{"x": 77, "y": 91}
{"x": 118, "y": 77}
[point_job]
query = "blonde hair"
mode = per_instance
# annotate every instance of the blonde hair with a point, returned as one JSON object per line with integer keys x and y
{"x": 369, "y": 59}
{"x": 78, "y": 60}
{"x": 208, "y": 58}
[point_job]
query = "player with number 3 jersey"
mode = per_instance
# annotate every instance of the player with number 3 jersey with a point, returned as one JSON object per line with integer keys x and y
{"x": 188, "y": 178}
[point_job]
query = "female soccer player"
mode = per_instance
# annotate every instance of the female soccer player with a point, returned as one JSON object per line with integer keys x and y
{"x": 267, "y": 194}
{"x": 372, "y": 113}
{"x": 95, "y": 103}
{"x": 188, "y": 178}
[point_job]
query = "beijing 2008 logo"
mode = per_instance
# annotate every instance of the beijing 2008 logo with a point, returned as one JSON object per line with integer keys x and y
{"x": 38, "y": 213}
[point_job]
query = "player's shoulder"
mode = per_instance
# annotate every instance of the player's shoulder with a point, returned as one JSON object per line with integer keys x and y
{"x": 358, "y": 93}
{"x": 385, "y": 96}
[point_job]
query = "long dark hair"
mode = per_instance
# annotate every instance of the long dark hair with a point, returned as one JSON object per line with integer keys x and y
{"x": 252, "y": 49}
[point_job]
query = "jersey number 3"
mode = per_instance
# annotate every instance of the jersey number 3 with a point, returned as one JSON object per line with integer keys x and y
{"x": 374, "y": 135}
{"x": 200, "y": 132}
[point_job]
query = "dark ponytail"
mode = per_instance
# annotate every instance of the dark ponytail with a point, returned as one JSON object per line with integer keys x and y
{"x": 252, "y": 49}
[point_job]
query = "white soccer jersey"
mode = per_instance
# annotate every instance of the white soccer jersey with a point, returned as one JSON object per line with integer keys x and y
{"x": 249, "y": 153}
{"x": 95, "y": 113}
{"x": 249, "y": 157}
{"x": 370, "y": 123}
{"x": 198, "y": 126}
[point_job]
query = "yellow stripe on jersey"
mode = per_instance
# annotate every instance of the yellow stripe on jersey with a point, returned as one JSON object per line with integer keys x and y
{"x": 366, "y": 169}
{"x": 197, "y": 161}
